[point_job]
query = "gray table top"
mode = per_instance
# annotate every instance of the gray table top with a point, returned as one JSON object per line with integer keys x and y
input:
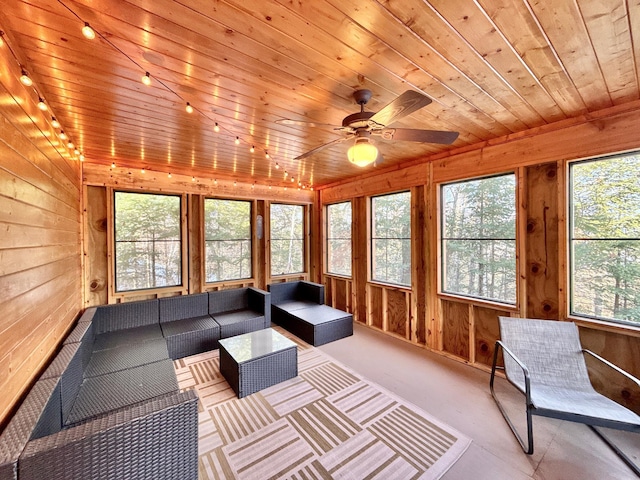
{"x": 252, "y": 345}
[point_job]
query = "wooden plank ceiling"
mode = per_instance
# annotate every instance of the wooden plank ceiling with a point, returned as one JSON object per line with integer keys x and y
{"x": 492, "y": 67}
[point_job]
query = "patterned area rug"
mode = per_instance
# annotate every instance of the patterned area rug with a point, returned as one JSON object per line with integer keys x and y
{"x": 327, "y": 423}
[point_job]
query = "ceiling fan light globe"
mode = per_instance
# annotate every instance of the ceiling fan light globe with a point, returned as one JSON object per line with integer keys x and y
{"x": 362, "y": 154}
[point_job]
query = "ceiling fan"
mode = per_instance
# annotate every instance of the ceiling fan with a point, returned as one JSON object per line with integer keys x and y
{"x": 362, "y": 125}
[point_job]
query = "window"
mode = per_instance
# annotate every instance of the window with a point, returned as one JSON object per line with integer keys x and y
{"x": 339, "y": 238}
{"x": 391, "y": 238}
{"x": 227, "y": 239}
{"x": 148, "y": 241}
{"x": 605, "y": 238}
{"x": 287, "y": 239}
{"x": 478, "y": 235}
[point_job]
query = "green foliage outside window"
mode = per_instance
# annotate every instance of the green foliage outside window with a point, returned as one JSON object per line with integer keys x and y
{"x": 287, "y": 239}
{"x": 391, "y": 238}
{"x": 147, "y": 241}
{"x": 227, "y": 230}
{"x": 478, "y": 238}
{"x": 605, "y": 238}
{"x": 339, "y": 238}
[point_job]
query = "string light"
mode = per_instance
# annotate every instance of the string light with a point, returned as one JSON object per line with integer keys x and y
{"x": 76, "y": 152}
{"x": 216, "y": 128}
{"x": 70, "y": 144}
{"x": 277, "y": 166}
{"x": 215, "y": 181}
{"x": 237, "y": 141}
{"x": 286, "y": 174}
{"x": 82, "y": 157}
{"x": 41, "y": 105}
{"x": 25, "y": 79}
{"x": 252, "y": 149}
{"x": 235, "y": 184}
{"x": 1, "y": 39}
{"x": 266, "y": 155}
{"x": 63, "y": 136}
{"x": 88, "y": 32}
{"x": 189, "y": 108}
{"x": 113, "y": 164}
{"x": 55, "y": 123}
{"x": 293, "y": 179}
{"x": 169, "y": 175}
{"x": 193, "y": 179}
{"x": 146, "y": 79}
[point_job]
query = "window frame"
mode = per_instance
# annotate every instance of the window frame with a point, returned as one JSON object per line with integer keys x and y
{"x": 252, "y": 242}
{"x": 519, "y": 238}
{"x": 111, "y": 246}
{"x": 583, "y": 318}
{"x": 327, "y": 239}
{"x": 370, "y": 246}
{"x": 305, "y": 242}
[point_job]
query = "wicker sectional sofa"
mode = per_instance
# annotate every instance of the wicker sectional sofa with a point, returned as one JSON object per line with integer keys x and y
{"x": 299, "y": 307}
{"x": 108, "y": 405}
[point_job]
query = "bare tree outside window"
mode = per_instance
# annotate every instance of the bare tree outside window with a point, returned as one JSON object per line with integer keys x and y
{"x": 227, "y": 230}
{"x": 391, "y": 238}
{"x": 287, "y": 239}
{"x": 605, "y": 238}
{"x": 148, "y": 243}
{"x": 339, "y": 238}
{"x": 478, "y": 235}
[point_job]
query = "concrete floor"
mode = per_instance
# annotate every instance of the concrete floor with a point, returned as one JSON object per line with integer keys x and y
{"x": 459, "y": 395}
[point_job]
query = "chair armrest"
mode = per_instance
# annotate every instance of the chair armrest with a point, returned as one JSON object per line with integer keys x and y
{"x": 523, "y": 367}
{"x": 260, "y": 301}
{"x": 613, "y": 366}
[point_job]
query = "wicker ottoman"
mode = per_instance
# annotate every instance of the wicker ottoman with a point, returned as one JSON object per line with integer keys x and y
{"x": 316, "y": 324}
{"x": 257, "y": 360}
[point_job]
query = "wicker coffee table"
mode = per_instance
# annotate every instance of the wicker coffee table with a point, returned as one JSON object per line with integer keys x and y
{"x": 257, "y": 360}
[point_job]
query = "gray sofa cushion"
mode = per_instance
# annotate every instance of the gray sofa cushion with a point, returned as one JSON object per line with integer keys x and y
{"x": 181, "y": 307}
{"x": 109, "y": 318}
{"x": 129, "y": 336}
{"x": 228, "y": 300}
{"x": 101, "y": 394}
{"x": 126, "y": 356}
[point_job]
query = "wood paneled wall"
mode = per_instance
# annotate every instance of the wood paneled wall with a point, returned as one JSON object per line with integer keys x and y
{"x": 40, "y": 260}
{"x": 466, "y": 329}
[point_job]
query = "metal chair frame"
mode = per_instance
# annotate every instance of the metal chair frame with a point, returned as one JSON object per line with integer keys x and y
{"x": 531, "y": 409}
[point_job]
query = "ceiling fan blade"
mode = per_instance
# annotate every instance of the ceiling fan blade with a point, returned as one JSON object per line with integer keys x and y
{"x": 286, "y": 121}
{"x": 415, "y": 135}
{"x": 403, "y": 105}
{"x": 321, "y": 147}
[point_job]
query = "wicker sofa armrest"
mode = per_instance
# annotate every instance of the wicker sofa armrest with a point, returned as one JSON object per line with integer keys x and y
{"x": 154, "y": 440}
{"x": 260, "y": 301}
{"x": 312, "y": 292}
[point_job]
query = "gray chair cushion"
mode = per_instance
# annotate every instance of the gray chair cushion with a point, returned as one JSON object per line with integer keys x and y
{"x": 228, "y": 300}
{"x": 109, "y": 318}
{"x": 126, "y": 356}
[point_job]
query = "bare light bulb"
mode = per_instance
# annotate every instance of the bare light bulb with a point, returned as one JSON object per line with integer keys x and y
{"x": 237, "y": 142}
{"x": 113, "y": 164}
{"x": 41, "y": 105}
{"x": 277, "y": 166}
{"x": 63, "y": 136}
{"x": 25, "y": 79}
{"x": 252, "y": 149}
{"x": 146, "y": 79}
{"x": 55, "y": 123}
{"x": 70, "y": 144}
{"x": 169, "y": 175}
{"x": 189, "y": 108}
{"x": 216, "y": 128}
{"x": 88, "y": 32}
{"x": 142, "y": 171}
{"x": 82, "y": 157}
{"x": 266, "y": 155}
